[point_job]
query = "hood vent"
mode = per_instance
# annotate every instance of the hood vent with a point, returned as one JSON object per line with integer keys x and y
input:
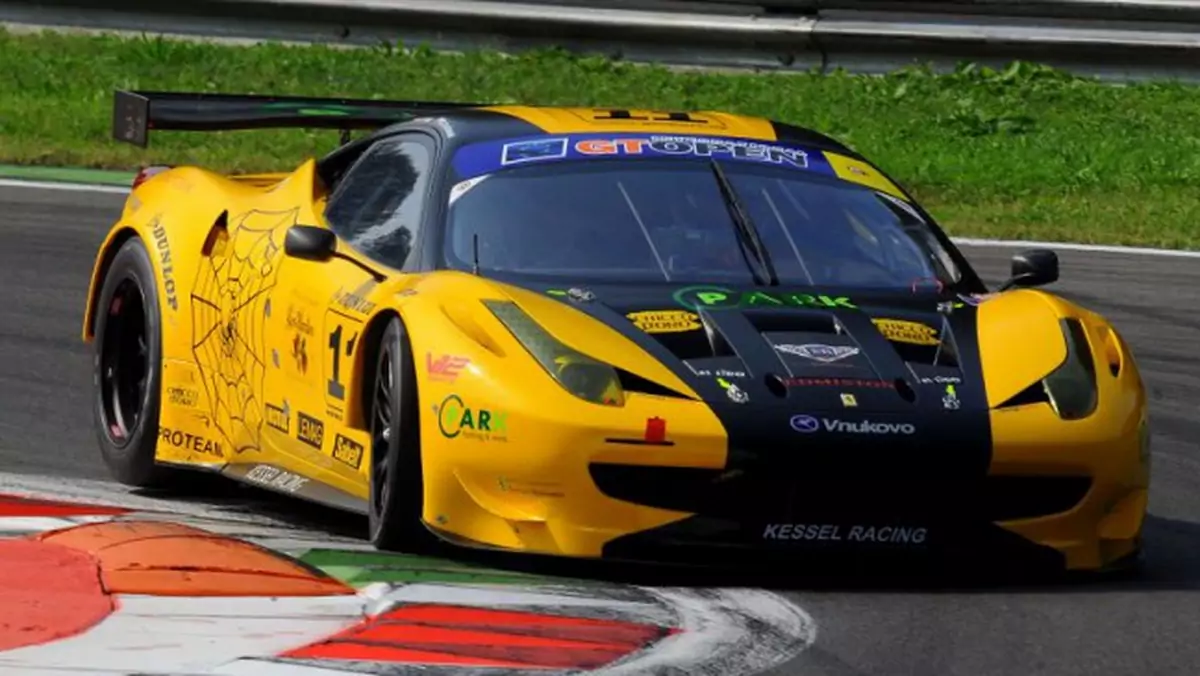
{"x": 793, "y": 321}
{"x": 631, "y": 382}
{"x": 928, "y": 355}
{"x": 688, "y": 345}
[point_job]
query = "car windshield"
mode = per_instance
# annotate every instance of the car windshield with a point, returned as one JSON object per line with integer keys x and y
{"x": 666, "y": 220}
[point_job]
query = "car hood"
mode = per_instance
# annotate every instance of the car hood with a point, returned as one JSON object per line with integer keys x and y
{"x": 780, "y": 345}
{"x": 891, "y": 376}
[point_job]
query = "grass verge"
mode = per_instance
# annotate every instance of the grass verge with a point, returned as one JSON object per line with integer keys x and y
{"x": 1025, "y": 152}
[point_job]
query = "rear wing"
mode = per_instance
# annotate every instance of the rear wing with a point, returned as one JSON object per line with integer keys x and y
{"x": 135, "y": 113}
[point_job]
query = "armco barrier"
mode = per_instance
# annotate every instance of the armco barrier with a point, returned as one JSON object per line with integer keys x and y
{"x": 1113, "y": 38}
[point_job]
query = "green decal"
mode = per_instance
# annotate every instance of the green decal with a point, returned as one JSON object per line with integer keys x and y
{"x": 711, "y": 297}
{"x": 717, "y": 298}
{"x": 455, "y": 418}
{"x": 556, "y": 292}
{"x": 760, "y": 298}
{"x": 707, "y": 297}
{"x": 359, "y": 568}
{"x": 306, "y": 108}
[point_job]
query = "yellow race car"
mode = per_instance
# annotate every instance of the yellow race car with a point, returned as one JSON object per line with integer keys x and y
{"x": 605, "y": 333}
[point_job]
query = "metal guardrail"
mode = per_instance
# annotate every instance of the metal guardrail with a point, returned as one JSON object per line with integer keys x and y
{"x": 1110, "y": 38}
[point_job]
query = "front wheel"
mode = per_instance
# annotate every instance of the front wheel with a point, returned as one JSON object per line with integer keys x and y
{"x": 397, "y": 485}
{"x": 127, "y": 368}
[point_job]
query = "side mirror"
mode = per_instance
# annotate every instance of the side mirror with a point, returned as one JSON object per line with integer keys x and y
{"x": 310, "y": 243}
{"x": 1035, "y": 267}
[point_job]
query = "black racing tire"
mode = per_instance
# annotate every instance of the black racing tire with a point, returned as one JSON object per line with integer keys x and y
{"x": 397, "y": 485}
{"x": 127, "y": 369}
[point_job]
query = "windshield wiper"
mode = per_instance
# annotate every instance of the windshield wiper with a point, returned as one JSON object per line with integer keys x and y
{"x": 748, "y": 238}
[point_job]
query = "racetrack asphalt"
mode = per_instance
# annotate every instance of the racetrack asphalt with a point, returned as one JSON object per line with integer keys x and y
{"x": 1148, "y": 625}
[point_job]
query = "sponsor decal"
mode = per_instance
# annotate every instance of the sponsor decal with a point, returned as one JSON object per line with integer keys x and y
{"x": 463, "y": 187}
{"x": 950, "y": 400}
{"x": 808, "y": 424}
{"x": 164, "y": 256}
{"x": 580, "y": 295}
{"x": 857, "y": 533}
{"x": 457, "y": 419}
{"x": 183, "y": 396}
{"x": 903, "y": 331}
{"x": 693, "y": 146}
{"x": 310, "y": 430}
{"x": 650, "y": 145}
{"x": 355, "y": 300}
{"x": 719, "y": 373}
{"x": 347, "y": 451}
{"x": 300, "y": 353}
{"x": 849, "y": 400}
{"x": 541, "y": 489}
{"x": 863, "y": 383}
{"x": 942, "y": 380}
{"x": 665, "y": 321}
{"x": 276, "y": 478}
{"x": 279, "y": 418}
{"x": 190, "y": 442}
{"x": 298, "y": 321}
{"x": 805, "y": 423}
{"x": 736, "y": 394}
{"x": 445, "y": 368}
{"x": 720, "y": 298}
{"x": 574, "y": 293}
{"x": 533, "y": 150}
{"x": 826, "y": 354}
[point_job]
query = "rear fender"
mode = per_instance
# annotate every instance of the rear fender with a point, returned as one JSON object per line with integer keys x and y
{"x": 172, "y": 213}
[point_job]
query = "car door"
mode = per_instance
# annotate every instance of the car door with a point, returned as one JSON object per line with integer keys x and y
{"x": 376, "y": 211}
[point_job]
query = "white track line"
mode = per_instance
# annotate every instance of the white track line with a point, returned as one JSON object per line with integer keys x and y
{"x": 963, "y": 241}
{"x": 1069, "y": 246}
{"x": 57, "y": 185}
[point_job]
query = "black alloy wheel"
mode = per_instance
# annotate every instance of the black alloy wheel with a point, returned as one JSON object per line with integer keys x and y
{"x": 127, "y": 368}
{"x": 124, "y": 361}
{"x": 397, "y": 485}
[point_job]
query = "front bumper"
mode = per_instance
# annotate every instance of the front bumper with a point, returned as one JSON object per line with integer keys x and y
{"x": 714, "y": 517}
{"x": 1055, "y": 497}
{"x": 1004, "y": 522}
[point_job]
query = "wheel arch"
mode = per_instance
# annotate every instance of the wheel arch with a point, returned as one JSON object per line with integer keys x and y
{"x": 116, "y": 239}
{"x": 367, "y": 358}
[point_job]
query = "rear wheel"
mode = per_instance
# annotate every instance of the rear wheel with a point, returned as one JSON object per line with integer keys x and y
{"x": 397, "y": 485}
{"x": 127, "y": 368}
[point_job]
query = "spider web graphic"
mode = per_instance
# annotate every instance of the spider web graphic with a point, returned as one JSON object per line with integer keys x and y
{"x": 230, "y": 307}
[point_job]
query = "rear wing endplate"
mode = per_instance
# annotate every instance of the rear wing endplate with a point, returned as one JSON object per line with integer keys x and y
{"x": 135, "y": 113}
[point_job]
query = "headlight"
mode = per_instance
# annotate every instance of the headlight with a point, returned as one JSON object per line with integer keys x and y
{"x": 578, "y": 373}
{"x": 1072, "y": 388}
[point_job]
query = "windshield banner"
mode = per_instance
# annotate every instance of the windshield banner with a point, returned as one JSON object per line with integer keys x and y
{"x": 490, "y": 156}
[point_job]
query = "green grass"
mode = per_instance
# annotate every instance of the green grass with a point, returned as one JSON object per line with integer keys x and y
{"x": 1024, "y": 152}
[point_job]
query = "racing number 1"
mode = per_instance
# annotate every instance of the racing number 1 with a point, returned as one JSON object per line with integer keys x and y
{"x": 336, "y": 389}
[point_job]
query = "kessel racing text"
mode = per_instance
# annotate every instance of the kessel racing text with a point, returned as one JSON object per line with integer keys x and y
{"x": 834, "y": 533}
